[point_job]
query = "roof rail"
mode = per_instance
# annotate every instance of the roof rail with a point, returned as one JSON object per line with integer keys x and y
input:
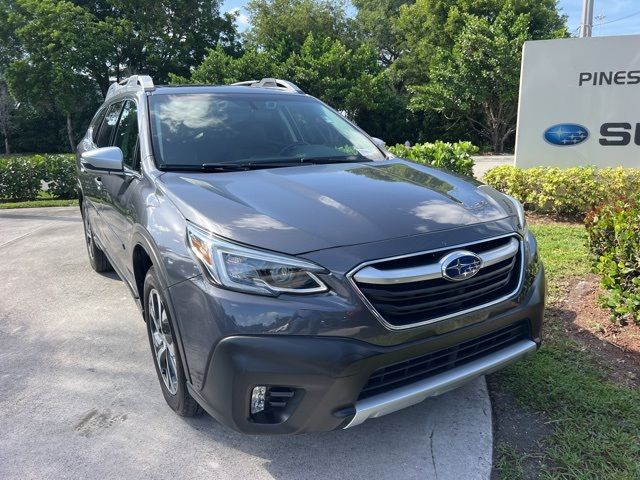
{"x": 271, "y": 83}
{"x": 131, "y": 84}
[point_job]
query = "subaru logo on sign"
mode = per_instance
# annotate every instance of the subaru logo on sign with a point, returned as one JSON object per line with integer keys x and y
{"x": 460, "y": 265}
{"x": 566, "y": 134}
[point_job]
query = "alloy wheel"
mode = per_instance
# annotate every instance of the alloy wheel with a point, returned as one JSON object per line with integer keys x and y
{"x": 163, "y": 342}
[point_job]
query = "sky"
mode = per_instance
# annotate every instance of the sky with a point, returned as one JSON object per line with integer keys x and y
{"x": 611, "y": 17}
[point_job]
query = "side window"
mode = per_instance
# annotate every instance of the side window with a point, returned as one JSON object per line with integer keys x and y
{"x": 127, "y": 134}
{"x": 108, "y": 125}
{"x": 95, "y": 124}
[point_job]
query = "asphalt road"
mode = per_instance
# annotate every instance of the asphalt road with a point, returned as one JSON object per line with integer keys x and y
{"x": 79, "y": 396}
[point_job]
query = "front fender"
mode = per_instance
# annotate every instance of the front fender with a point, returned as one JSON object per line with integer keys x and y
{"x": 163, "y": 234}
{"x": 163, "y": 237}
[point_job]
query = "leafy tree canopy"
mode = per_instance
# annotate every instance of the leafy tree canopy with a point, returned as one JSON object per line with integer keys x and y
{"x": 60, "y": 56}
{"x": 375, "y": 20}
{"x": 282, "y": 26}
{"x": 469, "y": 68}
{"x": 402, "y": 69}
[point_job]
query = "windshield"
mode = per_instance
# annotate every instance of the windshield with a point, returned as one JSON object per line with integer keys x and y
{"x": 192, "y": 130}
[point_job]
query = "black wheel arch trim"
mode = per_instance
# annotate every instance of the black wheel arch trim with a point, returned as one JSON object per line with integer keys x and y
{"x": 143, "y": 238}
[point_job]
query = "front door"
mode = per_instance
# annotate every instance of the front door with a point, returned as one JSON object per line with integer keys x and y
{"x": 118, "y": 210}
{"x": 93, "y": 182}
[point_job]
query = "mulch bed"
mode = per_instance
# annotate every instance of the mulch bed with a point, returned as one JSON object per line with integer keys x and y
{"x": 583, "y": 319}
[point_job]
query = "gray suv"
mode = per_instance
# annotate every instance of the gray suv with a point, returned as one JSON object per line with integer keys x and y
{"x": 293, "y": 275}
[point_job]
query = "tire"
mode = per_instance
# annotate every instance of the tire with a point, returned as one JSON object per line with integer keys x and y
{"x": 164, "y": 349}
{"x": 97, "y": 258}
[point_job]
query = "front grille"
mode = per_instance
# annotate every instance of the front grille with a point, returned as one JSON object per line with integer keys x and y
{"x": 425, "y": 366}
{"x": 405, "y": 304}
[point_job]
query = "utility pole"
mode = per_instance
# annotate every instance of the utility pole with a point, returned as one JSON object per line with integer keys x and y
{"x": 586, "y": 26}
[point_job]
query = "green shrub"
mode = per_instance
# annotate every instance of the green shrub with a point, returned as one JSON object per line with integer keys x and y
{"x": 450, "y": 156}
{"x": 614, "y": 241}
{"x": 564, "y": 191}
{"x": 20, "y": 178}
{"x": 60, "y": 172}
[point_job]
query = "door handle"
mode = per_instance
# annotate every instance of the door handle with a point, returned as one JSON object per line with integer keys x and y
{"x": 98, "y": 182}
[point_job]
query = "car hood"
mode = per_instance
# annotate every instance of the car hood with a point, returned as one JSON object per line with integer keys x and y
{"x": 312, "y": 207}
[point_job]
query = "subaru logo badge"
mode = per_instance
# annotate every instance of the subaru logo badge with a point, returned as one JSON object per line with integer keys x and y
{"x": 566, "y": 134}
{"x": 460, "y": 265}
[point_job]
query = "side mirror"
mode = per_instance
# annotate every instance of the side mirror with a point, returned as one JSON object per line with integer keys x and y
{"x": 379, "y": 142}
{"x": 106, "y": 159}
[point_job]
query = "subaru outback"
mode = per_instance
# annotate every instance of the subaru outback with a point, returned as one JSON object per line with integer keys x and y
{"x": 295, "y": 276}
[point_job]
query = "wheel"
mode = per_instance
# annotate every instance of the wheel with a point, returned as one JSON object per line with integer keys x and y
{"x": 97, "y": 258}
{"x": 164, "y": 349}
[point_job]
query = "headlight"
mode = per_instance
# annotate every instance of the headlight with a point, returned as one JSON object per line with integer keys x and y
{"x": 519, "y": 211}
{"x": 255, "y": 271}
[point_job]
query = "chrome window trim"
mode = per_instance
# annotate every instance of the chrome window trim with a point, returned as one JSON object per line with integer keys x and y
{"x": 389, "y": 326}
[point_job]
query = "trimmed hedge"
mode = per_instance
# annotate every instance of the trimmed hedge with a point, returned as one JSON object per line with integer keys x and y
{"x": 21, "y": 176}
{"x": 564, "y": 191}
{"x": 62, "y": 175}
{"x": 450, "y": 156}
{"x": 614, "y": 241}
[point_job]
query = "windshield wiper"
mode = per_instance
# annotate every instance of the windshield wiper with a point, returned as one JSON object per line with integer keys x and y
{"x": 329, "y": 159}
{"x": 224, "y": 167}
{"x": 209, "y": 167}
{"x": 263, "y": 163}
{"x": 206, "y": 167}
{"x": 302, "y": 160}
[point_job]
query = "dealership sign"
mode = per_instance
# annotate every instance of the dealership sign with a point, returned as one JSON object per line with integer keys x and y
{"x": 580, "y": 102}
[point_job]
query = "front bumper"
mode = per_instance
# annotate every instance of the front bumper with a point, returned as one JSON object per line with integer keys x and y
{"x": 406, "y": 396}
{"x": 328, "y": 374}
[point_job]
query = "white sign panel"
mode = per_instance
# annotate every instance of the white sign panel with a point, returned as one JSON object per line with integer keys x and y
{"x": 580, "y": 102}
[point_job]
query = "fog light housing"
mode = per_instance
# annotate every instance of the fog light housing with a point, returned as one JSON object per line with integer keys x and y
{"x": 257, "y": 399}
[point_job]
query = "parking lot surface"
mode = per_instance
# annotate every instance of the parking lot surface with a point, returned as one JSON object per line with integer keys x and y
{"x": 80, "y": 398}
{"x": 484, "y": 163}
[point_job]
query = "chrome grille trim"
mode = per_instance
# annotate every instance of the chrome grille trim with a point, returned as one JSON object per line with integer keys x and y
{"x": 431, "y": 271}
{"x": 352, "y": 273}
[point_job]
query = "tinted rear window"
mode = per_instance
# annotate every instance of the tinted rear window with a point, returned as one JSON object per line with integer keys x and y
{"x": 108, "y": 125}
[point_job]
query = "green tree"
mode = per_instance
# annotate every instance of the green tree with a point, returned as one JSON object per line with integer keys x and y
{"x": 375, "y": 19}
{"x": 52, "y": 72}
{"x": 325, "y": 68}
{"x": 352, "y": 81}
{"x": 7, "y": 115}
{"x": 462, "y": 59}
{"x": 338, "y": 75}
{"x": 282, "y": 26}
{"x": 168, "y": 36}
{"x": 221, "y": 68}
{"x": 60, "y": 56}
{"x": 157, "y": 37}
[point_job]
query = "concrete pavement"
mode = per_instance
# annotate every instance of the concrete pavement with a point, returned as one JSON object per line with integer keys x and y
{"x": 484, "y": 163}
{"x": 80, "y": 397}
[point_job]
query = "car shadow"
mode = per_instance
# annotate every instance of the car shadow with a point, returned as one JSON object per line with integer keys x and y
{"x": 111, "y": 275}
{"x": 395, "y": 446}
{"x": 407, "y": 444}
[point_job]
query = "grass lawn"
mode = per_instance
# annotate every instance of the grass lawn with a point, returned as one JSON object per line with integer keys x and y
{"x": 564, "y": 253}
{"x": 597, "y": 422}
{"x": 44, "y": 200}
